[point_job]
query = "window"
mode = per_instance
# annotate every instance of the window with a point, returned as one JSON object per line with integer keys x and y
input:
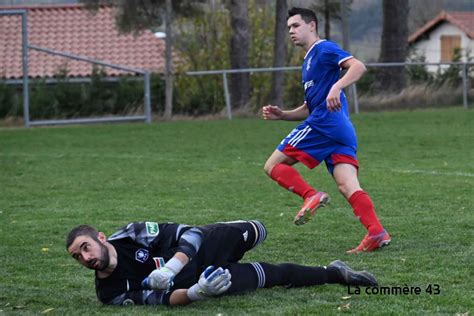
{"x": 449, "y": 43}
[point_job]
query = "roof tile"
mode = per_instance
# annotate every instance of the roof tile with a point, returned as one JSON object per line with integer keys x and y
{"x": 74, "y": 29}
{"x": 463, "y": 20}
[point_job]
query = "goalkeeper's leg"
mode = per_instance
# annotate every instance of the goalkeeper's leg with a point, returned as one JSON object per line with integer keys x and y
{"x": 250, "y": 276}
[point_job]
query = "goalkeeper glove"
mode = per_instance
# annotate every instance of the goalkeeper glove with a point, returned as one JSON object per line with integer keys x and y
{"x": 211, "y": 283}
{"x": 159, "y": 279}
{"x": 162, "y": 278}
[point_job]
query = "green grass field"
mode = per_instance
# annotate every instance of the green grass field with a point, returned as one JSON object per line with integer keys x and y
{"x": 417, "y": 166}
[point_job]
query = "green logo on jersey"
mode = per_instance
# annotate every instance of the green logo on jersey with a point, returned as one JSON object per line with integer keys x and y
{"x": 152, "y": 228}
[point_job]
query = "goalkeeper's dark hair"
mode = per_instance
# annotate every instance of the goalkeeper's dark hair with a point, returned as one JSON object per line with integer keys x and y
{"x": 306, "y": 14}
{"x": 81, "y": 230}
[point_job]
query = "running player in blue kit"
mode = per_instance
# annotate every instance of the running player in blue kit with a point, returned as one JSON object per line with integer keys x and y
{"x": 326, "y": 134}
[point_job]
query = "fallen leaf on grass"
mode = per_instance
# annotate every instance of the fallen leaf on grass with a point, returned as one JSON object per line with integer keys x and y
{"x": 47, "y": 310}
{"x": 344, "y": 307}
{"x": 19, "y": 307}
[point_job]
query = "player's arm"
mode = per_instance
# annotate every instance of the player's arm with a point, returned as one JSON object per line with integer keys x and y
{"x": 212, "y": 282}
{"x": 151, "y": 297}
{"x": 271, "y": 112}
{"x": 189, "y": 243}
{"x": 355, "y": 70}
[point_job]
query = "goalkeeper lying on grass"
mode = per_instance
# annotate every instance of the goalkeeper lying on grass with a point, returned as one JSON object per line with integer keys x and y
{"x": 175, "y": 264}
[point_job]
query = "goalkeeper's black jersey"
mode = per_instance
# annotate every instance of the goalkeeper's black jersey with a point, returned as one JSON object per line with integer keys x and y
{"x": 141, "y": 248}
{"x": 145, "y": 246}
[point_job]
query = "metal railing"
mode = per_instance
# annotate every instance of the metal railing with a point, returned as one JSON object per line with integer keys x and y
{"x": 26, "y": 103}
{"x": 353, "y": 87}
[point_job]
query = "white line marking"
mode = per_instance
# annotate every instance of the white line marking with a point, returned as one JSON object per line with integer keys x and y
{"x": 429, "y": 172}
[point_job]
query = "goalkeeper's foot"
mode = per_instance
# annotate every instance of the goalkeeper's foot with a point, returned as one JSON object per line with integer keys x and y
{"x": 310, "y": 206}
{"x": 352, "y": 277}
{"x": 372, "y": 242}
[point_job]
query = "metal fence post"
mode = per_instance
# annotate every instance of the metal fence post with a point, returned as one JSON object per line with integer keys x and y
{"x": 24, "y": 53}
{"x": 227, "y": 97}
{"x": 356, "y": 101}
{"x": 464, "y": 85}
{"x": 146, "y": 98}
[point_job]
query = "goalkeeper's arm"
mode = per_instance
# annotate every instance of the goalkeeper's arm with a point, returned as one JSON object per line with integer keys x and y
{"x": 188, "y": 245}
{"x": 212, "y": 282}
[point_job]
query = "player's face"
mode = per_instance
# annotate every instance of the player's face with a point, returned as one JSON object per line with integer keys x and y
{"x": 300, "y": 32}
{"x": 91, "y": 253}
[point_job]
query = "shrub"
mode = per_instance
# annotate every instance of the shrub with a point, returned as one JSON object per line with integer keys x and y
{"x": 10, "y": 101}
{"x": 66, "y": 99}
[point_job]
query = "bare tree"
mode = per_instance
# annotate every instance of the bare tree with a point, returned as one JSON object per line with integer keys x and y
{"x": 421, "y": 11}
{"x": 279, "y": 52}
{"x": 344, "y": 7}
{"x": 239, "y": 53}
{"x": 330, "y": 10}
{"x": 327, "y": 20}
{"x": 394, "y": 45}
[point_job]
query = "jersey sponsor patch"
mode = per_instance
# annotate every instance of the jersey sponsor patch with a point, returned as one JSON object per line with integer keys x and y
{"x": 159, "y": 262}
{"x": 152, "y": 228}
{"x": 141, "y": 255}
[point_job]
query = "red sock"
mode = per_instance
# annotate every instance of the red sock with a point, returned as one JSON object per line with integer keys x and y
{"x": 290, "y": 179}
{"x": 365, "y": 211}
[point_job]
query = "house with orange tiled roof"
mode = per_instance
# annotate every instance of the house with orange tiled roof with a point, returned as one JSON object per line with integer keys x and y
{"x": 438, "y": 39}
{"x": 73, "y": 29}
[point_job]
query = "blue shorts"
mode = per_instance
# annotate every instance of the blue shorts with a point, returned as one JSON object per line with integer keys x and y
{"x": 312, "y": 147}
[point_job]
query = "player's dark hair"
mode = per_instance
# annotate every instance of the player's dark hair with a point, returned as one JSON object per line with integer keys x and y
{"x": 306, "y": 14}
{"x": 81, "y": 230}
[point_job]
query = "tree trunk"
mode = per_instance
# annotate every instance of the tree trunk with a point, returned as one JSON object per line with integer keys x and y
{"x": 239, "y": 53}
{"x": 169, "y": 62}
{"x": 394, "y": 45}
{"x": 345, "y": 25}
{"x": 279, "y": 53}
{"x": 327, "y": 20}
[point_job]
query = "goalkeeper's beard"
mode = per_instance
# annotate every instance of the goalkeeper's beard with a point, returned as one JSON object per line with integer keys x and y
{"x": 103, "y": 260}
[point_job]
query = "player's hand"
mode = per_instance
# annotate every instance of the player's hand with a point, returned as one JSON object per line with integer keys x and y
{"x": 159, "y": 279}
{"x": 333, "y": 100}
{"x": 211, "y": 283}
{"x": 215, "y": 282}
{"x": 271, "y": 112}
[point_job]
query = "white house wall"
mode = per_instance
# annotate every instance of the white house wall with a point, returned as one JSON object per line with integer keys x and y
{"x": 431, "y": 47}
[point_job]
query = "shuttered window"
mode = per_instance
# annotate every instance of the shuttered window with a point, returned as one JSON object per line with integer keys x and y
{"x": 448, "y": 45}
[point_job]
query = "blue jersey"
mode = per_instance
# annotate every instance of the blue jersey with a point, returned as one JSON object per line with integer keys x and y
{"x": 320, "y": 71}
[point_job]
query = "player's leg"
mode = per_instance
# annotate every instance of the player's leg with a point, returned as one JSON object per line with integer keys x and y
{"x": 279, "y": 167}
{"x": 300, "y": 146}
{"x": 250, "y": 276}
{"x": 246, "y": 235}
{"x": 227, "y": 242}
{"x": 345, "y": 172}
